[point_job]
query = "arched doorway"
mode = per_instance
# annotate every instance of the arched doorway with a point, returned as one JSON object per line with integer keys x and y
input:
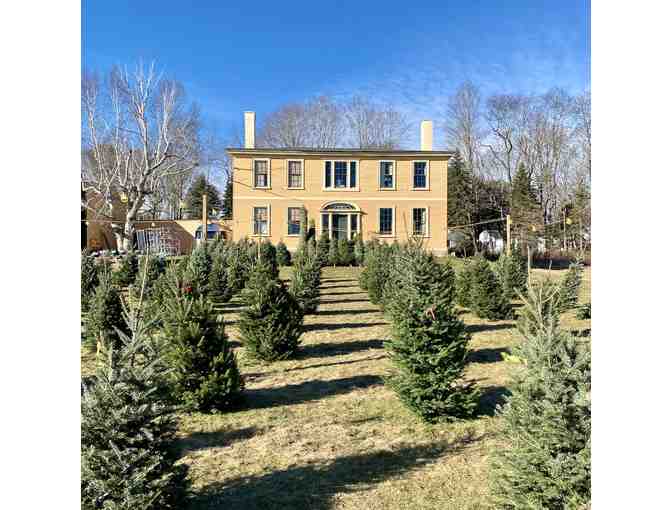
{"x": 342, "y": 220}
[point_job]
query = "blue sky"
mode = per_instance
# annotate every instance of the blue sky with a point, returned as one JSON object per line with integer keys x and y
{"x": 258, "y": 55}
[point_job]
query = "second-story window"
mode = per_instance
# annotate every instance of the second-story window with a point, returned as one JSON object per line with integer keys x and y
{"x": 420, "y": 175}
{"x": 387, "y": 175}
{"x": 261, "y": 173}
{"x": 295, "y": 173}
{"x": 340, "y": 175}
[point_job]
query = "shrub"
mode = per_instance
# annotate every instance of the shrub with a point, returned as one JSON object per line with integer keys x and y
{"x": 127, "y": 428}
{"x": 583, "y": 312}
{"x": 486, "y": 296}
{"x": 305, "y": 284}
{"x": 546, "y": 419}
{"x": 282, "y": 255}
{"x": 127, "y": 270}
{"x": 271, "y": 324}
{"x": 105, "y": 315}
{"x": 569, "y": 287}
{"x": 89, "y": 278}
{"x": 429, "y": 342}
{"x": 204, "y": 373}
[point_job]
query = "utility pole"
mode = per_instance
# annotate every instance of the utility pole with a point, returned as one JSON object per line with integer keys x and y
{"x": 205, "y": 218}
{"x": 564, "y": 229}
{"x": 508, "y": 234}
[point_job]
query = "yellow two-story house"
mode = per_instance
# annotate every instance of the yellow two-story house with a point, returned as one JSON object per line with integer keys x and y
{"x": 383, "y": 194}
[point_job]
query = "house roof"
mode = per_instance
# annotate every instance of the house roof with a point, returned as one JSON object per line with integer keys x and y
{"x": 326, "y": 152}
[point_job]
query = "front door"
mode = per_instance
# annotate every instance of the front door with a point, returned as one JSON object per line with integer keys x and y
{"x": 339, "y": 226}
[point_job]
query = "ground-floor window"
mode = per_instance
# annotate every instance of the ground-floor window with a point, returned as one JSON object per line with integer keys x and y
{"x": 341, "y": 221}
{"x": 420, "y": 221}
{"x": 386, "y": 220}
{"x": 293, "y": 221}
{"x": 260, "y": 221}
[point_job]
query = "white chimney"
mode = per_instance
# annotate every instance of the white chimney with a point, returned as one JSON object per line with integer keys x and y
{"x": 249, "y": 129}
{"x": 426, "y": 135}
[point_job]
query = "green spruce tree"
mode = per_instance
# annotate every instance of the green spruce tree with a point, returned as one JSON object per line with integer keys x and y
{"x": 128, "y": 426}
{"x": 204, "y": 373}
{"x": 323, "y": 246}
{"x": 194, "y": 198}
{"x": 198, "y": 269}
{"x": 547, "y": 418}
{"x": 268, "y": 258}
{"x": 305, "y": 283}
{"x": 486, "y": 295}
{"x": 218, "y": 288}
{"x": 89, "y": 278}
{"x": 332, "y": 254}
{"x": 127, "y": 270}
{"x": 272, "y": 323}
{"x": 460, "y": 200}
{"x": 345, "y": 255}
{"x": 359, "y": 250}
{"x": 569, "y": 287}
{"x": 105, "y": 315}
{"x": 429, "y": 343}
{"x": 227, "y": 204}
{"x": 282, "y": 256}
{"x": 511, "y": 271}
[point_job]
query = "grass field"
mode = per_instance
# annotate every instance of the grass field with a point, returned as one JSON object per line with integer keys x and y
{"x": 323, "y": 432}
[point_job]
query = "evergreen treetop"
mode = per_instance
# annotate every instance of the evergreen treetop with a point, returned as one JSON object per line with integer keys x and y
{"x": 194, "y": 198}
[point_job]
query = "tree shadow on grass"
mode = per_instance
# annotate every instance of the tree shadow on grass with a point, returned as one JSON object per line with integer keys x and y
{"x": 328, "y": 287}
{"x": 325, "y": 349}
{"x": 343, "y": 325}
{"x": 340, "y": 280}
{"x": 478, "y": 328}
{"x": 218, "y": 438}
{"x": 487, "y": 355}
{"x": 347, "y": 311}
{"x": 314, "y": 486}
{"x": 357, "y": 293}
{"x": 306, "y": 391}
{"x": 490, "y": 398}
{"x": 340, "y": 301}
{"x": 347, "y": 362}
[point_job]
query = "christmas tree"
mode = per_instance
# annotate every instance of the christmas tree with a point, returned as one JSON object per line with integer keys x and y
{"x": 268, "y": 258}
{"x": 219, "y": 291}
{"x": 486, "y": 296}
{"x": 323, "y": 246}
{"x": 127, "y": 426}
{"x": 359, "y": 250}
{"x": 569, "y": 287}
{"x": 546, "y": 420}
{"x": 89, "y": 278}
{"x": 105, "y": 315}
{"x": 345, "y": 255}
{"x": 511, "y": 271}
{"x": 272, "y": 323}
{"x": 282, "y": 255}
{"x": 204, "y": 373}
{"x": 429, "y": 343}
{"x": 127, "y": 270}
{"x": 198, "y": 269}
{"x": 305, "y": 284}
{"x": 332, "y": 254}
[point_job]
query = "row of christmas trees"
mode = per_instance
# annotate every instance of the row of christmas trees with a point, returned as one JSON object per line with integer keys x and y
{"x": 546, "y": 418}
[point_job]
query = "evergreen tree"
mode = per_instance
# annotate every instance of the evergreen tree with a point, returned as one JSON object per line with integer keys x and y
{"x": 359, "y": 250}
{"x": 155, "y": 268}
{"x": 463, "y": 284}
{"x": 511, "y": 271}
{"x": 332, "y": 254}
{"x": 305, "y": 284}
{"x": 486, "y": 296}
{"x": 583, "y": 312}
{"x": 546, "y": 419}
{"x": 127, "y": 270}
{"x": 237, "y": 261}
{"x": 194, "y": 198}
{"x": 219, "y": 291}
{"x": 227, "y": 204}
{"x": 105, "y": 315}
{"x": 127, "y": 426}
{"x": 429, "y": 342}
{"x": 569, "y": 287}
{"x": 282, "y": 255}
{"x": 198, "y": 269}
{"x": 525, "y": 208}
{"x": 323, "y": 246}
{"x": 377, "y": 272}
{"x": 204, "y": 370}
{"x": 268, "y": 258}
{"x": 271, "y": 324}
{"x": 89, "y": 278}
{"x": 344, "y": 249}
{"x": 460, "y": 200}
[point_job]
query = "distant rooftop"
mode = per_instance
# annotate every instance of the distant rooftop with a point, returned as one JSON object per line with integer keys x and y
{"x": 310, "y": 150}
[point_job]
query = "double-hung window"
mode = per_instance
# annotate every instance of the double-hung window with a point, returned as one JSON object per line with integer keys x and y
{"x": 341, "y": 175}
{"x": 386, "y": 221}
{"x": 293, "y": 221}
{"x": 420, "y": 177}
{"x": 262, "y": 170}
{"x": 420, "y": 221}
{"x": 295, "y": 174}
{"x": 260, "y": 221}
{"x": 386, "y": 177}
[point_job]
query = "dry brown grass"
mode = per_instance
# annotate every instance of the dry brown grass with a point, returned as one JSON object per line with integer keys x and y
{"x": 323, "y": 432}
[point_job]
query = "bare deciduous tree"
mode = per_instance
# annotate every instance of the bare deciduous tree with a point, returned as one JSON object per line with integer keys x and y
{"x": 463, "y": 125}
{"x": 138, "y": 132}
{"x": 375, "y": 126}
